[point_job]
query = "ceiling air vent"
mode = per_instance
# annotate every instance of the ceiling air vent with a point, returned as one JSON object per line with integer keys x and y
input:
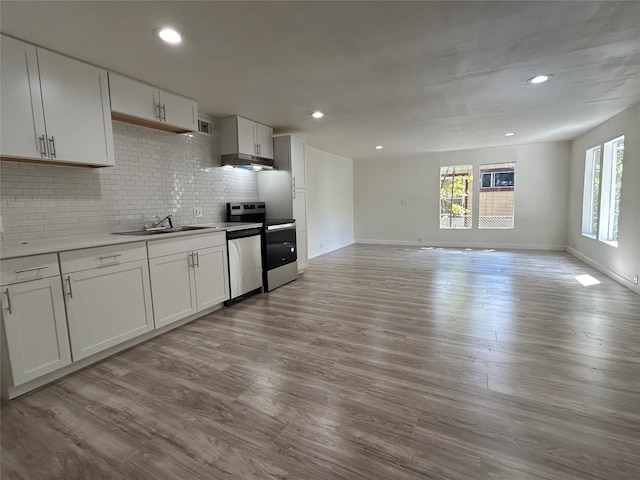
{"x": 204, "y": 126}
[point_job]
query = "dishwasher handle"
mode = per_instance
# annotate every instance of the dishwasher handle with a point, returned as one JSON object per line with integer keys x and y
{"x": 247, "y": 232}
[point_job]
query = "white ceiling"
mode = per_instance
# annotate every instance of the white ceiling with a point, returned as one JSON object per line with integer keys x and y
{"x": 412, "y": 76}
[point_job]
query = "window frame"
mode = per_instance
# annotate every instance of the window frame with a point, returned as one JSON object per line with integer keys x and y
{"x": 466, "y": 198}
{"x": 602, "y": 191}
{"x": 496, "y": 222}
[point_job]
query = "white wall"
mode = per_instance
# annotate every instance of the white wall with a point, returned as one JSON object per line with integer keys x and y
{"x": 623, "y": 262}
{"x": 329, "y": 201}
{"x": 382, "y": 186}
{"x": 156, "y": 173}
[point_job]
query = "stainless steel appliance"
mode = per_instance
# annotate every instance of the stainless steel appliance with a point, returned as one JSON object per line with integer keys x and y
{"x": 280, "y": 254}
{"x": 245, "y": 262}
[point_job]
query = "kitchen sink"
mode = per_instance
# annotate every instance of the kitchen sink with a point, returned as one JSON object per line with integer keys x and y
{"x": 158, "y": 231}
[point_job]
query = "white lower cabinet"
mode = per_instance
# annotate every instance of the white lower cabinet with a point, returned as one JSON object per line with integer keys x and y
{"x": 212, "y": 280}
{"x": 35, "y": 328}
{"x": 188, "y": 274}
{"x": 108, "y": 296}
{"x": 173, "y": 287}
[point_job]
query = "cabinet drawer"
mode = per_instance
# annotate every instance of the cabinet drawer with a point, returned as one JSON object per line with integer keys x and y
{"x": 169, "y": 246}
{"x": 88, "y": 258}
{"x": 16, "y": 270}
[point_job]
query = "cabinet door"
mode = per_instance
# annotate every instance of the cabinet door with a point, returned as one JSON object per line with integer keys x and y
{"x": 300, "y": 207}
{"x": 301, "y": 244}
{"x": 298, "y": 164}
{"x": 35, "y": 328}
{"x": 173, "y": 288}
{"x": 106, "y": 306}
{"x": 212, "y": 277}
{"x": 21, "y": 118}
{"x": 264, "y": 139}
{"x": 246, "y": 136}
{"x": 179, "y": 111}
{"x": 75, "y": 97}
{"x": 133, "y": 98}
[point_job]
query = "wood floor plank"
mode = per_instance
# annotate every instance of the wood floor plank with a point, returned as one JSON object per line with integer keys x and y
{"x": 380, "y": 362}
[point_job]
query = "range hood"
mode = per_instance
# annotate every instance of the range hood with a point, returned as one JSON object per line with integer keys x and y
{"x": 249, "y": 162}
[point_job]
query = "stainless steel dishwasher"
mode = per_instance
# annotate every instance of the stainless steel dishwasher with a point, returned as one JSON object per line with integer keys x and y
{"x": 245, "y": 262}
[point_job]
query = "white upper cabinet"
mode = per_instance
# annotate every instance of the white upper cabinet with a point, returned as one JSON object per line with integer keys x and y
{"x": 75, "y": 97}
{"x": 22, "y": 117}
{"x": 264, "y": 140}
{"x": 244, "y": 136}
{"x": 289, "y": 156}
{"x": 142, "y": 104}
{"x": 54, "y": 108}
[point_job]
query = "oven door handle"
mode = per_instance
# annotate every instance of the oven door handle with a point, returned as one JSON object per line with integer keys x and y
{"x": 272, "y": 228}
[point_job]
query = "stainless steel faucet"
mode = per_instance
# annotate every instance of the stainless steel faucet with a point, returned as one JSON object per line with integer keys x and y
{"x": 160, "y": 222}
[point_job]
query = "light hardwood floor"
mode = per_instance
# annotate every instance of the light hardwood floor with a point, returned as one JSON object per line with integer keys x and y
{"x": 378, "y": 363}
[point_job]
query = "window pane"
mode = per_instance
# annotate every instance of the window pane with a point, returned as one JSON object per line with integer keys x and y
{"x": 456, "y": 183}
{"x": 504, "y": 179}
{"x": 497, "y": 204}
{"x": 591, "y": 189}
{"x": 486, "y": 180}
{"x": 611, "y": 190}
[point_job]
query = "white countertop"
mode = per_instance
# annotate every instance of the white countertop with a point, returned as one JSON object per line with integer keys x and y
{"x": 77, "y": 242}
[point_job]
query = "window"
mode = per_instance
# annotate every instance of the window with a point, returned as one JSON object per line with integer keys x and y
{"x": 611, "y": 190}
{"x": 602, "y": 191}
{"x": 591, "y": 192}
{"x": 497, "y": 195}
{"x": 456, "y": 184}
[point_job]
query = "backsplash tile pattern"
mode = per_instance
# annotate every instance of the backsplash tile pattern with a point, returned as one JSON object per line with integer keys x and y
{"x": 156, "y": 173}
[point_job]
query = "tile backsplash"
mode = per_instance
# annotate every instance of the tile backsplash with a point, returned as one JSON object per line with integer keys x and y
{"x": 156, "y": 173}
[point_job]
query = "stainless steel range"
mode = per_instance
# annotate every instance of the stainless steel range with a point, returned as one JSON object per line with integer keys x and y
{"x": 279, "y": 251}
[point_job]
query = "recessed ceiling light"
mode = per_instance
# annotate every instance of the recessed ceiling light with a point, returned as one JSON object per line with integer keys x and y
{"x": 509, "y": 134}
{"x": 169, "y": 35}
{"x": 378, "y": 147}
{"x": 540, "y": 79}
{"x": 317, "y": 115}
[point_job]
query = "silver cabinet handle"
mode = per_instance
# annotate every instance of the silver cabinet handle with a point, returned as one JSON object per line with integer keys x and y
{"x": 102, "y": 257}
{"x": 115, "y": 260}
{"x": 52, "y": 147}
{"x": 157, "y": 106}
{"x": 190, "y": 261}
{"x": 41, "y": 267}
{"x": 43, "y": 146}
{"x": 164, "y": 112}
{"x": 8, "y": 300}
{"x": 69, "y": 282}
{"x": 197, "y": 259}
{"x": 293, "y": 181}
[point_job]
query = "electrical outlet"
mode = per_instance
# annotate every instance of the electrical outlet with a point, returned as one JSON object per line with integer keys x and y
{"x": 635, "y": 279}
{"x": 420, "y": 239}
{"x": 1, "y": 225}
{"x": 197, "y": 212}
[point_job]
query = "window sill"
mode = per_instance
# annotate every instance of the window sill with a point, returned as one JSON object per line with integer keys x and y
{"x": 612, "y": 244}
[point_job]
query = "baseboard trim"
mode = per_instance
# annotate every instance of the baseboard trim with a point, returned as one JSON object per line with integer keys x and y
{"x": 602, "y": 269}
{"x": 506, "y": 246}
{"x": 331, "y": 248}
